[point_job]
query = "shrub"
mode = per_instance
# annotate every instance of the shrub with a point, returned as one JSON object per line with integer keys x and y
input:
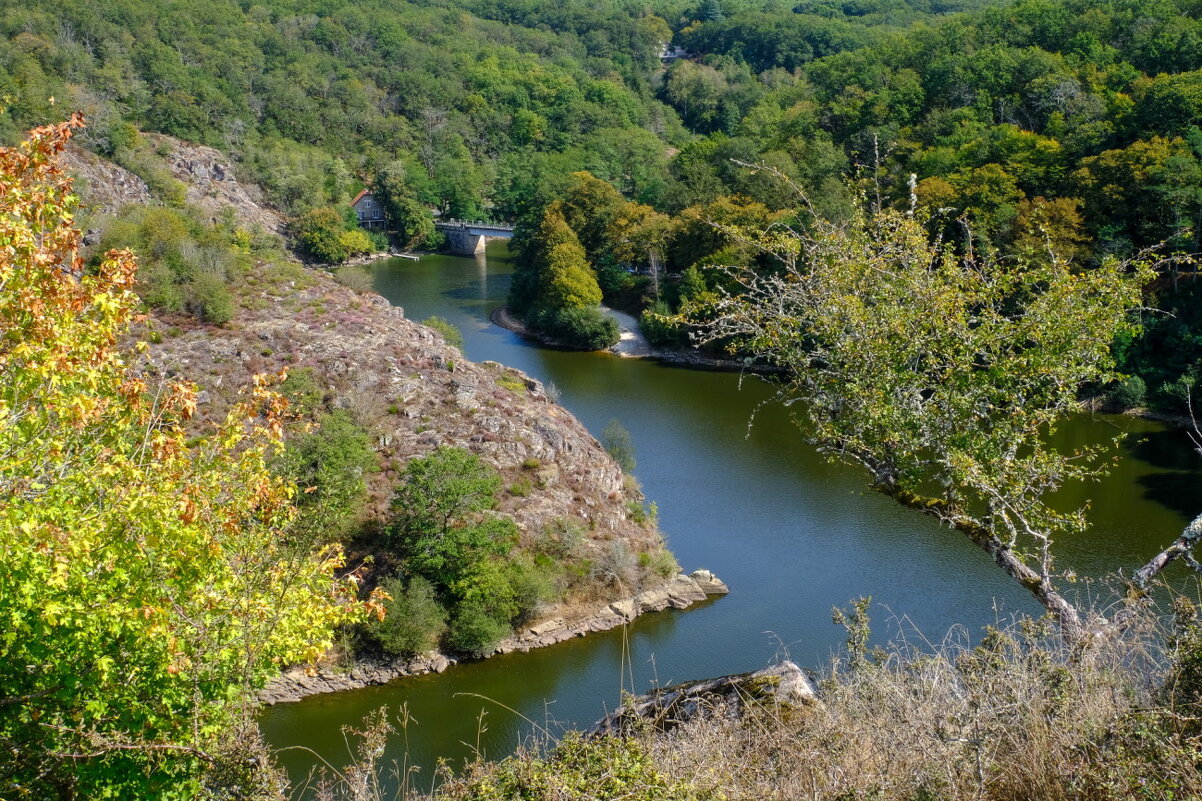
{"x": 583, "y": 328}
{"x": 319, "y": 233}
{"x": 450, "y": 332}
{"x": 414, "y": 621}
{"x": 1176, "y": 396}
{"x": 209, "y": 300}
{"x": 659, "y": 563}
{"x": 186, "y": 263}
{"x": 356, "y": 242}
{"x": 659, "y": 331}
{"x": 158, "y": 288}
{"x": 302, "y": 390}
{"x": 329, "y": 464}
{"x": 1129, "y": 393}
{"x": 616, "y": 441}
{"x": 437, "y": 521}
{"x": 355, "y": 278}
{"x": 474, "y": 630}
{"x": 530, "y": 586}
{"x": 579, "y": 769}
{"x": 562, "y": 539}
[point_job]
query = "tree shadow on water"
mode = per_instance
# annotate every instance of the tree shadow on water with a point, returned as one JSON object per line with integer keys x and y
{"x": 1178, "y": 491}
{"x": 1170, "y": 449}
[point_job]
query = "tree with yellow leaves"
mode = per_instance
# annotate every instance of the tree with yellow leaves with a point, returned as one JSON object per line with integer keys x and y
{"x": 147, "y": 585}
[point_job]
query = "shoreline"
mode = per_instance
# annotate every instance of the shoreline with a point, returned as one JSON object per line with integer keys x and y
{"x": 680, "y": 592}
{"x": 503, "y": 317}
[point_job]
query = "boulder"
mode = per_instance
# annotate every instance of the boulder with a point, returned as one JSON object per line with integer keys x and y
{"x": 780, "y": 685}
{"x": 626, "y": 609}
{"x": 653, "y": 600}
{"x": 709, "y": 583}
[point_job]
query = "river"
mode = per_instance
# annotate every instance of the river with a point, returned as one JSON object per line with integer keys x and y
{"x": 792, "y": 534}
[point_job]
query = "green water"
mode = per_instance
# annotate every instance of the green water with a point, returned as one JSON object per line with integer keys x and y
{"x": 792, "y": 534}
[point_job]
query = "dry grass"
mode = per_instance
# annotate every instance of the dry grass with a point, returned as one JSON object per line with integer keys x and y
{"x": 1017, "y": 717}
{"x": 1020, "y": 716}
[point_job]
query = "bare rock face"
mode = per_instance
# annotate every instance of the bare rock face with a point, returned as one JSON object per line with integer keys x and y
{"x": 104, "y": 186}
{"x": 414, "y": 393}
{"x": 211, "y": 185}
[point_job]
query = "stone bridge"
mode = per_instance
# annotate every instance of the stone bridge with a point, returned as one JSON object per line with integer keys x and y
{"x": 468, "y": 238}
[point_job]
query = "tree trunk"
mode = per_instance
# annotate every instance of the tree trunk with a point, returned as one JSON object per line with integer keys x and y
{"x": 1182, "y": 548}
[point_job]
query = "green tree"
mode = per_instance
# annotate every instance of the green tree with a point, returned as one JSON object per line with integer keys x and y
{"x": 412, "y": 220}
{"x": 571, "y": 283}
{"x": 590, "y": 206}
{"x": 555, "y": 273}
{"x": 711, "y": 11}
{"x": 414, "y": 621}
{"x": 439, "y": 518}
{"x": 616, "y": 441}
{"x": 329, "y": 465}
{"x": 935, "y": 370}
{"x": 149, "y": 586}
{"x": 319, "y": 233}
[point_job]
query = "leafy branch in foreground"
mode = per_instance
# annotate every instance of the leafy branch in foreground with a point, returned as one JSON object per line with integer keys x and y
{"x": 147, "y": 584}
{"x": 943, "y": 374}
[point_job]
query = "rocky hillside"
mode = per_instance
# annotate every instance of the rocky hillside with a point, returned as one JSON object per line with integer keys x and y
{"x": 104, "y": 186}
{"x": 400, "y": 380}
{"x": 206, "y": 176}
{"x": 413, "y": 392}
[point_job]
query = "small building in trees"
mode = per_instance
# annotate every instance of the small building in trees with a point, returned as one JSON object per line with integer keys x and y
{"x": 369, "y": 211}
{"x": 669, "y": 53}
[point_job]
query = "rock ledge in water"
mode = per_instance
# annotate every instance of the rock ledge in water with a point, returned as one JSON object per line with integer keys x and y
{"x": 679, "y": 592}
{"x": 783, "y": 684}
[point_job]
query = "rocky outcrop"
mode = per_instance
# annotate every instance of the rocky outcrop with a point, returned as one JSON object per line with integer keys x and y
{"x": 414, "y": 393}
{"x": 104, "y": 186}
{"x": 780, "y": 685}
{"x": 301, "y": 682}
{"x": 207, "y": 175}
{"x": 682, "y": 591}
{"x": 211, "y": 185}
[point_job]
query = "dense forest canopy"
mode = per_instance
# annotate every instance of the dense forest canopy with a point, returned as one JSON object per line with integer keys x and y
{"x": 1068, "y": 121}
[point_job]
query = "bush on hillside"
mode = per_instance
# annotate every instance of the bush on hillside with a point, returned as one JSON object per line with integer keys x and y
{"x": 355, "y": 278}
{"x": 582, "y": 328}
{"x": 414, "y": 621}
{"x": 1130, "y": 393}
{"x": 450, "y": 332}
{"x": 210, "y": 301}
{"x": 329, "y": 465}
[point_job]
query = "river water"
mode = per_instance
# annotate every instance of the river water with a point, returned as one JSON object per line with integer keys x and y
{"x": 792, "y": 534}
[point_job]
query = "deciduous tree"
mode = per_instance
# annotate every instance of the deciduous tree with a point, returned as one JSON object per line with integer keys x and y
{"x": 942, "y": 374}
{"x": 148, "y": 583}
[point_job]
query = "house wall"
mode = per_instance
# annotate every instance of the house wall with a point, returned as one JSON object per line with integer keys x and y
{"x": 370, "y": 212}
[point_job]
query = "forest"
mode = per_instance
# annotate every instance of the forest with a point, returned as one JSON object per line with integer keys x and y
{"x": 1075, "y": 118}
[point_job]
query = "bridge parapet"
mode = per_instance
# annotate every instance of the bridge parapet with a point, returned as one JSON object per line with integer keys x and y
{"x": 468, "y": 237}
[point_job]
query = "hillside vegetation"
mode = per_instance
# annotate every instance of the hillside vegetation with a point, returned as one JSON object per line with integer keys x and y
{"x": 947, "y": 223}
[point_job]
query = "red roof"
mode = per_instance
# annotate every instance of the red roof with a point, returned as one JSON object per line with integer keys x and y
{"x": 359, "y": 197}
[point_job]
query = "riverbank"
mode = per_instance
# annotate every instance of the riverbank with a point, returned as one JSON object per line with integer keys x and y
{"x": 680, "y": 592}
{"x": 503, "y": 317}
